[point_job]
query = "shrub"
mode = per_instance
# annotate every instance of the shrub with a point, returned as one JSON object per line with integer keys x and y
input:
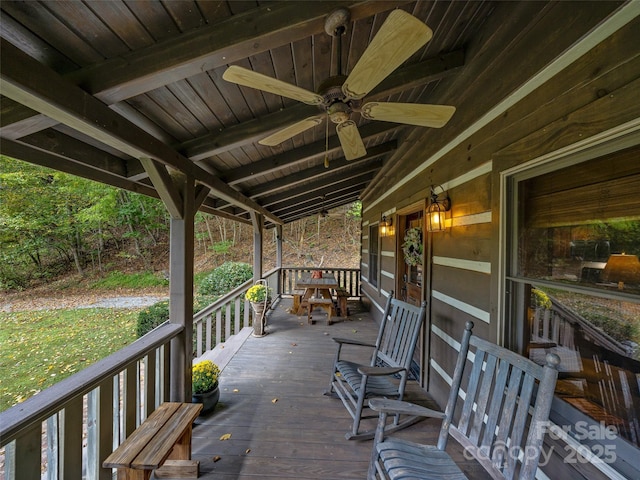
{"x": 152, "y": 317}
{"x": 225, "y": 278}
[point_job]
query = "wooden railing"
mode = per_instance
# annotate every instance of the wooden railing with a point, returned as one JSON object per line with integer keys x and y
{"x": 348, "y": 278}
{"x": 226, "y": 316}
{"x": 75, "y": 424}
{"x": 99, "y": 406}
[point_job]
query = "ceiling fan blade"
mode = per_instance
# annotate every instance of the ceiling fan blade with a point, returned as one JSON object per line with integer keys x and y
{"x": 350, "y": 140}
{"x": 434, "y": 116}
{"x": 400, "y": 36}
{"x": 249, "y": 78}
{"x": 291, "y": 131}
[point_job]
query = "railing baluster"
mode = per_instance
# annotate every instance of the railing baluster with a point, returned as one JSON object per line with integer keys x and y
{"x": 227, "y": 322}
{"x": 209, "y": 320}
{"x": 218, "y": 326}
{"x": 53, "y": 447}
{"x": 198, "y": 339}
{"x": 26, "y": 454}
{"x": 237, "y": 317}
{"x": 129, "y": 398}
{"x": 71, "y": 437}
{"x": 150, "y": 383}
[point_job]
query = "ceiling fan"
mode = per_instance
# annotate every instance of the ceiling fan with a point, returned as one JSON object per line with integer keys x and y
{"x": 399, "y": 37}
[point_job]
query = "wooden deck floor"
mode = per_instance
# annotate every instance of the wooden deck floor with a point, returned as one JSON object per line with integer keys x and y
{"x": 280, "y": 423}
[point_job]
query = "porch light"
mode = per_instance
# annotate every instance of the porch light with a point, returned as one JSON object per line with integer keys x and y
{"x": 436, "y": 211}
{"x": 385, "y": 226}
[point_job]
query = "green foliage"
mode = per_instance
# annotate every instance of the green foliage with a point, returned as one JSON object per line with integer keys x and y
{"x": 116, "y": 280}
{"x": 225, "y": 278}
{"x": 355, "y": 210}
{"x": 50, "y": 221}
{"x": 222, "y": 247}
{"x": 152, "y": 317}
{"x": 40, "y": 348}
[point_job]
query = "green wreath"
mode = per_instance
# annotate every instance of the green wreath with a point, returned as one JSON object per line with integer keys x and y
{"x": 412, "y": 247}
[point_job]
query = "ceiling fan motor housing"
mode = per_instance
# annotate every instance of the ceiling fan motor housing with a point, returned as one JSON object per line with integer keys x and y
{"x": 334, "y": 103}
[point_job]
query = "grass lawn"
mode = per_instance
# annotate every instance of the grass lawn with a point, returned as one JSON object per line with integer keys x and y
{"x": 40, "y": 348}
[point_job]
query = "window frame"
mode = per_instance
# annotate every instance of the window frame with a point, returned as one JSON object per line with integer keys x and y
{"x": 511, "y": 322}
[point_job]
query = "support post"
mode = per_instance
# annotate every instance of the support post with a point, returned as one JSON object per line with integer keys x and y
{"x": 181, "y": 253}
{"x": 279, "y": 257}
{"x": 257, "y": 220}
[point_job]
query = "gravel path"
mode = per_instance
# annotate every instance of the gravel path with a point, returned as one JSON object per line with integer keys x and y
{"x": 17, "y": 303}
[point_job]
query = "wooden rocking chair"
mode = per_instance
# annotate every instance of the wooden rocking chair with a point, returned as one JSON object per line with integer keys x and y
{"x": 503, "y": 390}
{"x": 387, "y": 373}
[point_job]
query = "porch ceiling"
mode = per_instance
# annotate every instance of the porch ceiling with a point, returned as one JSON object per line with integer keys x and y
{"x": 98, "y": 88}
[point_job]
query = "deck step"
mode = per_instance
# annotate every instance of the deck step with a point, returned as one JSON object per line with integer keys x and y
{"x": 222, "y": 353}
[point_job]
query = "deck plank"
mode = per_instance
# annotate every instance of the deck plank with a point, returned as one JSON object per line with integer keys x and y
{"x": 281, "y": 423}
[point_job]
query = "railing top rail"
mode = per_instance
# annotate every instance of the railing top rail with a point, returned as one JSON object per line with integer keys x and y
{"x": 50, "y": 401}
{"x": 337, "y": 269}
{"x": 222, "y": 301}
{"x": 228, "y": 296}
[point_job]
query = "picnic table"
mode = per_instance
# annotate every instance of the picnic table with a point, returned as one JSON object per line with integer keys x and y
{"x": 315, "y": 287}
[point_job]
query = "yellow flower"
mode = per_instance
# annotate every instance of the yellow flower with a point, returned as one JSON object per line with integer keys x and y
{"x": 205, "y": 376}
{"x": 257, "y": 293}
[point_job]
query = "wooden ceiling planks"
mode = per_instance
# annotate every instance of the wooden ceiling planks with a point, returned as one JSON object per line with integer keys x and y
{"x": 165, "y": 61}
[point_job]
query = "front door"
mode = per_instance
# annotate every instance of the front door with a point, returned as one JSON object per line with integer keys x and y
{"x": 410, "y": 258}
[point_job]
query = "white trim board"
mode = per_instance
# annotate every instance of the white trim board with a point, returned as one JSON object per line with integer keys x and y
{"x": 462, "y": 306}
{"x": 473, "y": 265}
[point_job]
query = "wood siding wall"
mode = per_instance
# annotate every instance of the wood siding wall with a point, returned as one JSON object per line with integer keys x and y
{"x": 593, "y": 93}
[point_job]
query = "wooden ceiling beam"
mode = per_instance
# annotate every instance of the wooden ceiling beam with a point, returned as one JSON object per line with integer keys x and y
{"x": 34, "y": 85}
{"x": 325, "y": 185}
{"x": 190, "y": 53}
{"x": 314, "y": 151}
{"x": 338, "y": 202}
{"x": 209, "y": 47}
{"x": 315, "y": 200}
{"x": 79, "y": 168}
{"x": 320, "y": 171}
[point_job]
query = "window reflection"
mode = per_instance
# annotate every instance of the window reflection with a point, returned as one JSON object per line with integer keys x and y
{"x": 578, "y": 250}
{"x": 597, "y": 340}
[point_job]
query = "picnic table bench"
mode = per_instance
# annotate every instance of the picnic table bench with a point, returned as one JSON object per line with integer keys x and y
{"x": 161, "y": 443}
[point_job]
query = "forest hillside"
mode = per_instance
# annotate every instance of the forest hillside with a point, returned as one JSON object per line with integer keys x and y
{"x": 60, "y": 233}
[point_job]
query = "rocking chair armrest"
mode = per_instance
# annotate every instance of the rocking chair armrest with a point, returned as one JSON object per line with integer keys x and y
{"x": 379, "y": 371}
{"x": 349, "y": 341}
{"x": 404, "y": 408}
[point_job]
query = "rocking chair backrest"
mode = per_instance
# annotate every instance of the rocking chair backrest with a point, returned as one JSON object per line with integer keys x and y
{"x": 506, "y": 396}
{"x": 398, "y": 333}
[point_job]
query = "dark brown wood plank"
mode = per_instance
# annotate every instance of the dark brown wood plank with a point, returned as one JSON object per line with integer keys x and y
{"x": 281, "y": 424}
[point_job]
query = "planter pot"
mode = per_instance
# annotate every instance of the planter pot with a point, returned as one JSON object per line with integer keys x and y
{"x": 208, "y": 399}
{"x": 260, "y": 319}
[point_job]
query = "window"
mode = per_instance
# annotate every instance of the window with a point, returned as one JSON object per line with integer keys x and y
{"x": 574, "y": 281}
{"x": 374, "y": 253}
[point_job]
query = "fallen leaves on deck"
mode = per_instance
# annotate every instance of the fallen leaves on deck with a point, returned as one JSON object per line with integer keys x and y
{"x": 226, "y": 436}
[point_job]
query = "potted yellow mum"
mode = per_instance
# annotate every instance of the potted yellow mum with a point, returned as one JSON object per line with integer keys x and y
{"x": 260, "y": 297}
{"x": 205, "y": 385}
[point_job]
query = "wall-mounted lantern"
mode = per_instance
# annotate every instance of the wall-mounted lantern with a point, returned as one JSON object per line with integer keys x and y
{"x": 386, "y": 228}
{"x": 439, "y": 204}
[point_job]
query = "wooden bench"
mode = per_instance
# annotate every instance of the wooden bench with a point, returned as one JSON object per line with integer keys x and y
{"x": 325, "y": 303}
{"x": 342, "y": 295}
{"x": 161, "y": 443}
